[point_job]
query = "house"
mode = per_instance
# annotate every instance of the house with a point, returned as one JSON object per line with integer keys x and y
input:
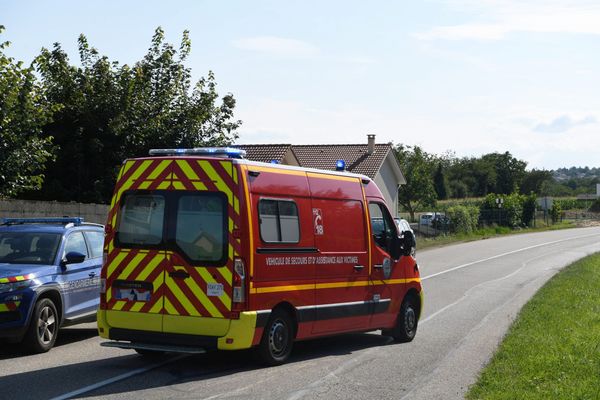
{"x": 375, "y": 160}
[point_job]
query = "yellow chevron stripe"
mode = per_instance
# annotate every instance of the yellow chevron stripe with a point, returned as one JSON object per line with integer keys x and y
{"x": 132, "y": 265}
{"x": 158, "y": 170}
{"x": 199, "y": 185}
{"x": 216, "y": 178}
{"x": 137, "y": 306}
{"x": 224, "y": 298}
{"x": 187, "y": 170}
{"x": 119, "y": 305}
{"x": 110, "y": 269}
{"x": 169, "y": 308}
{"x": 157, "y": 307}
{"x": 226, "y": 274}
{"x": 182, "y": 298}
{"x": 150, "y": 268}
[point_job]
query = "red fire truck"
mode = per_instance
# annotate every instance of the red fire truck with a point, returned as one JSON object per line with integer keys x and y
{"x": 207, "y": 250}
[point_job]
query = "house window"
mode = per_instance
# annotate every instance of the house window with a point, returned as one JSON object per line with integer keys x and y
{"x": 279, "y": 221}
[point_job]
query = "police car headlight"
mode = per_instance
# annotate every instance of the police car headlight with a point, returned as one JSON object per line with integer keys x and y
{"x": 13, "y": 286}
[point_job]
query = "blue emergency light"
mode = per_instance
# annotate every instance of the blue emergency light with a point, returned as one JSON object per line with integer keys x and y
{"x": 62, "y": 220}
{"x": 340, "y": 165}
{"x": 274, "y": 161}
{"x": 228, "y": 152}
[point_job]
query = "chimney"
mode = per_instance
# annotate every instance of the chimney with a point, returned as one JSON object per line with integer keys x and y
{"x": 371, "y": 144}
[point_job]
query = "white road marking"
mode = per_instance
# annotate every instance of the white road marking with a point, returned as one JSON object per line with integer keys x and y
{"x": 504, "y": 254}
{"x": 118, "y": 378}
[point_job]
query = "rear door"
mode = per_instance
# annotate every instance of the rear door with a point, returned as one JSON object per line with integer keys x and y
{"x": 203, "y": 212}
{"x": 170, "y": 258}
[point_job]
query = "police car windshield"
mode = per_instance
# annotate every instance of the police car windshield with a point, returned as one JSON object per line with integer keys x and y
{"x": 28, "y": 247}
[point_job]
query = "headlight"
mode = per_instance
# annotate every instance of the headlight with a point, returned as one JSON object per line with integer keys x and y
{"x": 13, "y": 286}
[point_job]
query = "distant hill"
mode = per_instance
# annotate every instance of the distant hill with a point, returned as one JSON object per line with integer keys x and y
{"x": 564, "y": 174}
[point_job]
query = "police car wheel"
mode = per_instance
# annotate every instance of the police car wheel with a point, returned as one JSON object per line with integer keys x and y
{"x": 407, "y": 322}
{"x": 43, "y": 328}
{"x": 277, "y": 340}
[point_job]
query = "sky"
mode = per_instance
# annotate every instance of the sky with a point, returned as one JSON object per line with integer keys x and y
{"x": 467, "y": 77}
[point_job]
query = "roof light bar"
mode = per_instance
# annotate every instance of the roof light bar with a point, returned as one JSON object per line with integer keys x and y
{"x": 228, "y": 152}
{"x": 62, "y": 220}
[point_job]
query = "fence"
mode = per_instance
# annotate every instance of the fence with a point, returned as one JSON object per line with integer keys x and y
{"x": 31, "y": 208}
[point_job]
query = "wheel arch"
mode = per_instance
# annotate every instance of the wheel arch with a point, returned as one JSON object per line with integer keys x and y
{"x": 52, "y": 293}
{"x": 417, "y": 297}
{"x": 291, "y": 311}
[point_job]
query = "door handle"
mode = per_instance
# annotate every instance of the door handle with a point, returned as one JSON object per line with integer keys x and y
{"x": 358, "y": 267}
{"x": 92, "y": 274}
{"x": 378, "y": 266}
{"x": 179, "y": 274}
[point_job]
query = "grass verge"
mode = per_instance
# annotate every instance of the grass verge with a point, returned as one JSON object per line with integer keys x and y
{"x": 552, "y": 351}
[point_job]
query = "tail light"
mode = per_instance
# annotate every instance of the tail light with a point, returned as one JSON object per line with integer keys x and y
{"x": 239, "y": 283}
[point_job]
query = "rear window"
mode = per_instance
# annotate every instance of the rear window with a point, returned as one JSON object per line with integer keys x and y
{"x": 142, "y": 219}
{"x": 190, "y": 223}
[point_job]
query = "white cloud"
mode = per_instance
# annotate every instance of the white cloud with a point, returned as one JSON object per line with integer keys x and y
{"x": 563, "y": 123}
{"x": 277, "y": 46}
{"x": 503, "y": 18}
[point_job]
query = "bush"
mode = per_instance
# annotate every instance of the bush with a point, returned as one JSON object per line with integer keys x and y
{"x": 595, "y": 207}
{"x": 555, "y": 212}
{"x": 529, "y": 205}
{"x": 464, "y": 218}
{"x": 512, "y": 207}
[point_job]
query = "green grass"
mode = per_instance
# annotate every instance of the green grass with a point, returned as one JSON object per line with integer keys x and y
{"x": 486, "y": 233}
{"x": 552, "y": 351}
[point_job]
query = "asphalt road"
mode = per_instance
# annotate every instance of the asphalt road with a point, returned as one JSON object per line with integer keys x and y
{"x": 473, "y": 292}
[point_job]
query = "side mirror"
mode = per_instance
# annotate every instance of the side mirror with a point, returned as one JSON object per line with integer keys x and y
{"x": 408, "y": 243}
{"x": 73, "y": 257}
{"x": 395, "y": 247}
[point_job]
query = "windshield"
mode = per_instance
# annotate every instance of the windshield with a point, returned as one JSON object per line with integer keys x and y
{"x": 28, "y": 247}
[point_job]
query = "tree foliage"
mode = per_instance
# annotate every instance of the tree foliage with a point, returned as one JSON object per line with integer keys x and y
{"x": 440, "y": 182}
{"x": 23, "y": 113}
{"x": 418, "y": 192}
{"x": 108, "y": 112}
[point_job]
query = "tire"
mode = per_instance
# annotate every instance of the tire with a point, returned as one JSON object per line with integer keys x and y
{"x": 43, "y": 327}
{"x": 406, "y": 323}
{"x": 277, "y": 339}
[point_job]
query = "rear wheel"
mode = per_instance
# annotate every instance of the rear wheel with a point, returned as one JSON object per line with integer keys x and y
{"x": 406, "y": 323}
{"x": 43, "y": 328}
{"x": 277, "y": 340}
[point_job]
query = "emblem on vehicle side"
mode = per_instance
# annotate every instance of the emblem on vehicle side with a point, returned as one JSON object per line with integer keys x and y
{"x": 318, "y": 218}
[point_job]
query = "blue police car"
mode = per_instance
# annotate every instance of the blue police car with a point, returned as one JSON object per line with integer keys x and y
{"x": 49, "y": 277}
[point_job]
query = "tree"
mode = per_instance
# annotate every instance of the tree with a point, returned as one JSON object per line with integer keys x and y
{"x": 535, "y": 181}
{"x": 110, "y": 112}
{"x": 509, "y": 171}
{"x": 440, "y": 183}
{"x": 23, "y": 112}
{"x": 418, "y": 192}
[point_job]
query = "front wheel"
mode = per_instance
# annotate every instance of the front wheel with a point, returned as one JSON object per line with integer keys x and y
{"x": 277, "y": 340}
{"x": 43, "y": 328}
{"x": 407, "y": 322}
